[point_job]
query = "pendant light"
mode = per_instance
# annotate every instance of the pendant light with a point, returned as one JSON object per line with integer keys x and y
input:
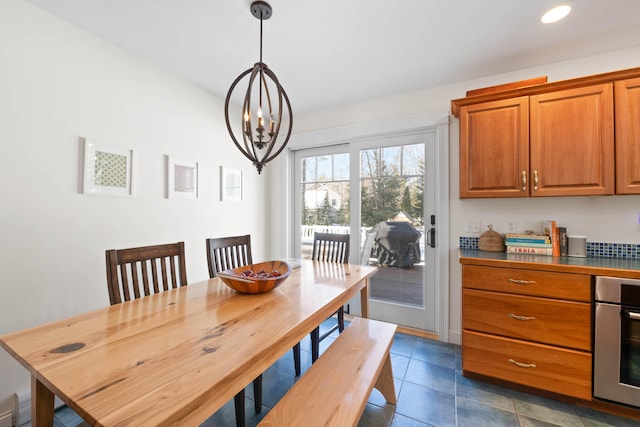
{"x": 266, "y": 110}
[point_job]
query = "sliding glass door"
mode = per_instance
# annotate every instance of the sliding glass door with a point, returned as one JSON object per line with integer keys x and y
{"x": 377, "y": 191}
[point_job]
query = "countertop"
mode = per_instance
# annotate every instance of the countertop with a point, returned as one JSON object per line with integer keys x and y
{"x": 617, "y": 267}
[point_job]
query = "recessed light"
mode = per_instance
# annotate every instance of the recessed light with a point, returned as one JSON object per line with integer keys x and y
{"x": 557, "y": 13}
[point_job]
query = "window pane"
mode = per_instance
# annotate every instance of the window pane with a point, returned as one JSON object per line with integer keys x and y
{"x": 341, "y": 166}
{"x": 391, "y": 160}
{"x": 309, "y": 201}
{"x": 391, "y": 207}
{"x": 413, "y": 159}
{"x": 308, "y": 169}
{"x": 324, "y": 168}
{"x": 325, "y": 197}
{"x": 369, "y": 163}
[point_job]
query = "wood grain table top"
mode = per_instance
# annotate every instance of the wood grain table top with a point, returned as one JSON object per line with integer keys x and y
{"x": 176, "y": 357}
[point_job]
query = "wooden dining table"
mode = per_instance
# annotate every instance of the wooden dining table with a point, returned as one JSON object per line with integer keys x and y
{"x": 176, "y": 357}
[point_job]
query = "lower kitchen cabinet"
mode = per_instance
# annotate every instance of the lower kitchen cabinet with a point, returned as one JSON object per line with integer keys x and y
{"x": 528, "y": 327}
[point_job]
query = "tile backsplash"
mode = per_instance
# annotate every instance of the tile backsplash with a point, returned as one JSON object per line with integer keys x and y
{"x": 469, "y": 242}
{"x": 594, "y": 249}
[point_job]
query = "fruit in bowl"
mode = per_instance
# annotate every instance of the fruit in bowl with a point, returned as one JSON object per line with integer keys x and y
{"x": 256, "y": 278}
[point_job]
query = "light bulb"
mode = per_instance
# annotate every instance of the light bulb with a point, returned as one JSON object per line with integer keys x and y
{"x": 555, "y": 14}
{"x": 260, "y": 119}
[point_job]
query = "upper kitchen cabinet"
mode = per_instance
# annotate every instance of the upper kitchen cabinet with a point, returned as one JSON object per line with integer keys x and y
{"x": 571, "y": 142}
{"x": 552, "y": 139}
{"x": 494, "y": 148}
{"x": 627, "y": 110}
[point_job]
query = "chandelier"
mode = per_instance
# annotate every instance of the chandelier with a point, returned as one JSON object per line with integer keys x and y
{"x": 262, "y": 117}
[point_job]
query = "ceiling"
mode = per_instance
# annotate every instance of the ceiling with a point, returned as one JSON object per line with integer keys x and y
{"x": 336, "y": 52}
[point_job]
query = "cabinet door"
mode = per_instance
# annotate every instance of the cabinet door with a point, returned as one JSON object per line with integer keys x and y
{"x": 571, "y": 142}
{"x": 627, "y": 99}
{"x": 494, "y": 153}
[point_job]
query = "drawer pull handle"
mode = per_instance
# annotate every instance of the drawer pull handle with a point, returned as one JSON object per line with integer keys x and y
{"x": 515, "y": 316}
{"x": 522, "y": 365}
{"x": 522, "y": 282}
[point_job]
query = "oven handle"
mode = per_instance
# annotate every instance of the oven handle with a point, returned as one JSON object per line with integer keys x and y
{"x": 631, "y": 315}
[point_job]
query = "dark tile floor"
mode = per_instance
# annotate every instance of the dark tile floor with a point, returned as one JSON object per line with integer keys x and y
{"x": 431, "y": 392}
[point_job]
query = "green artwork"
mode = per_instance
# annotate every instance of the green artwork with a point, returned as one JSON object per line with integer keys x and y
{"x": 110, "y": 170}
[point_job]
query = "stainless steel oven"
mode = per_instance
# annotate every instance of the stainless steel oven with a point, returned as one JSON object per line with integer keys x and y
{"x": 616, "y": 366}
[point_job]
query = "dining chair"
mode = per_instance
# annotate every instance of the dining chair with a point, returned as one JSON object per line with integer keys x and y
{"x": 224, "y": 253}
{"x": 137, "y": 272}
{"x": 329, "y": 247}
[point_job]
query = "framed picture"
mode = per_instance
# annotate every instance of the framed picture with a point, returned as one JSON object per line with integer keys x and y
{"x": 230, "y": 185}
{"x": 182, "y": 178}
{"x": 108, "y": 170}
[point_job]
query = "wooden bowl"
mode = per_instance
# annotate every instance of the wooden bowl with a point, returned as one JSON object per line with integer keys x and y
{"x": 255, "y": 285}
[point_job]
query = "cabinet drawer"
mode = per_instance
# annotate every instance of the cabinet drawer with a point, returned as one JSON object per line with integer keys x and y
{"x": 575, "y": 287}
{"x": 561, "y": 371}
{"x": 548, "y": 321}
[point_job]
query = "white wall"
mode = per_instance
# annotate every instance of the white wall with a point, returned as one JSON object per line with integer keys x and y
{"x": 58, "y": 83}
{"x": 603, "y": 219}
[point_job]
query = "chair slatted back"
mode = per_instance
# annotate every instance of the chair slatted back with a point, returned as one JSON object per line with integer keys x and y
{"x": 136, "y": 272}
{"x": 224, "y": 253}
{"x": 330, "y": 247}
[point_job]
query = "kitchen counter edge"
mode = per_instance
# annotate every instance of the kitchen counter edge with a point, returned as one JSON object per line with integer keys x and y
{"x": 617, "y": 267}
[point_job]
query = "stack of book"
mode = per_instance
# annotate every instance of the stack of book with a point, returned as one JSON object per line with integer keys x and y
{"x": 558, "y": 236}
{"x": 528, "y": 244}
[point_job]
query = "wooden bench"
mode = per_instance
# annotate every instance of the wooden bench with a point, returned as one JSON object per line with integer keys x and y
{"x": 335, "y": 390}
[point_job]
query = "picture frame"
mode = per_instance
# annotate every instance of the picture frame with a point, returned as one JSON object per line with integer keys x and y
{"x": 231, "y": 185}
{"x": 108, "y": 169}
{"x": 182, "y": 178}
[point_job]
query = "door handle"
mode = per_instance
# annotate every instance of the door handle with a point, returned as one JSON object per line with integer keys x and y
{"x": 431, "y": 234}
{"x": 431, "y": 237}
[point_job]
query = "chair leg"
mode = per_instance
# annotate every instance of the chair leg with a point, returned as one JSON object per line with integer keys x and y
{"x": 296, "y": 358}
{"x": 315, "y": 344}
{"x": 239, "y": 404}
{"x": 257, "y": 394}
{"x": 341, "y": 319}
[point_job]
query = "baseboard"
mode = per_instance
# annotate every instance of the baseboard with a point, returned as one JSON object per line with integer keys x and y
{"x": 8, "y": 411}
{"x": 6, "y": 419}
{"x": 417, "y": 332}
{"x": 455, "y": 337}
